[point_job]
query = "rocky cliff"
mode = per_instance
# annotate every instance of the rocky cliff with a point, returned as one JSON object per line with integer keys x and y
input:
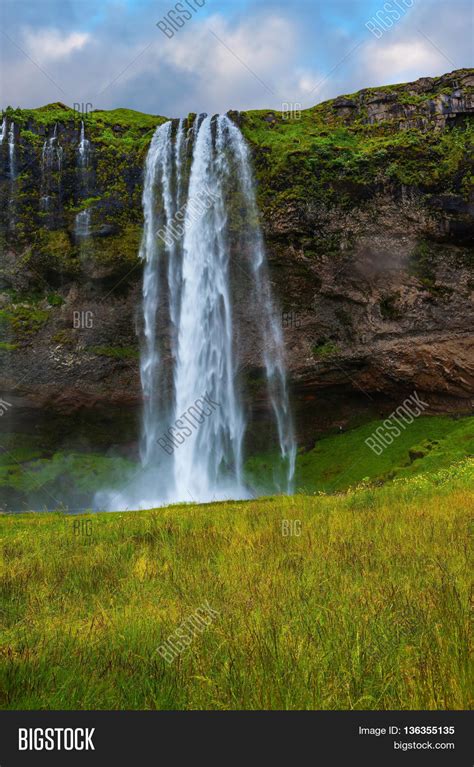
{"x": 367, "y": 210}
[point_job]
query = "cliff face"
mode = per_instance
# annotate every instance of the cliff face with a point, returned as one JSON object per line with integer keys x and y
{"x": 367, "y": 210}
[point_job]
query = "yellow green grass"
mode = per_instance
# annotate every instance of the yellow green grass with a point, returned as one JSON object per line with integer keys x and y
{"x": 366, "y": 609}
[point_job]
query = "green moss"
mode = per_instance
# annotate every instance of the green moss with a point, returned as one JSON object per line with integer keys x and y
{"x": 32, "y": 138}
{"x": 84, "y": 204}
{"x": 63, "y": 337}
{"x": 412, "y": 98}
{"x": 53, "y": 250}
{"x": 118, "y": 352}
{"x": 122, "y": 129}
{"x": 120, "y": 250}
{"x": 24, "y": 318}
{"x": 325, "y": 349}
{"x": 54, "y": 299}
{"x": 5, "y": 346}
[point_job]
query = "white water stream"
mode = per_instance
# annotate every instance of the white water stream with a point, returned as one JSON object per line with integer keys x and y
{"x": 194, "y": 421}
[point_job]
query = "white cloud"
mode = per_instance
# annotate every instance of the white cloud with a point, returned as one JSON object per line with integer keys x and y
{"x": 212, "y": 65}
{"x": 400, "y": 61}
{"x": 50, "y": 44}
{"x": 248, "y": 63}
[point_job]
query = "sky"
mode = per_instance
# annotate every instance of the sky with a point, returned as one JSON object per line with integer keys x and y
{"x": 230, "y": 54}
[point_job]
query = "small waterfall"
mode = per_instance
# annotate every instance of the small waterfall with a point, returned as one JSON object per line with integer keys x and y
{"x": 193, "y": 265}
{"x": 84, "y": 149}
{"x": 82, "y": 225}
{"x": 51, "y": 163}
{"x": 12, "y": 171}
{"x": 270, "y": 328}
{"x": 11, "y": 151}
{"x": 3, "y": 130}
{"x": 52, "y": 152}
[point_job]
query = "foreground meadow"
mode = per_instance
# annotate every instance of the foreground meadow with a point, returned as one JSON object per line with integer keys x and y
{"x": 350, "y": 601}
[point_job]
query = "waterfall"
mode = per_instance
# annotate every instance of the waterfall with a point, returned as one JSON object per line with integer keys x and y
{"x": 157, "y": 174}
{"x": 82, "y": 226}
{"x": 51, "y": 162}
{"x": 174, "y": 263}
{"x": 270, "y": 328}
{"x": 52, "y": 152}
{"x": 11, "y": 172}
{"x": 3, "y": 130}
{"x": 209, "y": 462}
{"x": 11, "y": 151}
{"x": 84, "y": 148}
{"x": 197, "y": 124}
{"x": 199, "y": 259}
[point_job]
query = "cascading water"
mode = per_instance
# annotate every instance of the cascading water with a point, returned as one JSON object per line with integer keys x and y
{"x": 174, "y": 263}
{"x": 11, "y": 151}
{"x": 84, "y": 148}
{"x": 3, "y": 130}
{"x": 196, "y": 257}
{"x": 271, "y": 335}
{"x": 51, "y": 161}
{"x": 209, "y": 462}
{"x": 52, "y": 152}
{"x": 82, "y": 225}
{"x": 12, "y": 175}
{"x": 158, "y": 173}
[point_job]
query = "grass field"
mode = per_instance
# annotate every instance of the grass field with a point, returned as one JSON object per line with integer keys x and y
{"x": 364, "y": 607}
